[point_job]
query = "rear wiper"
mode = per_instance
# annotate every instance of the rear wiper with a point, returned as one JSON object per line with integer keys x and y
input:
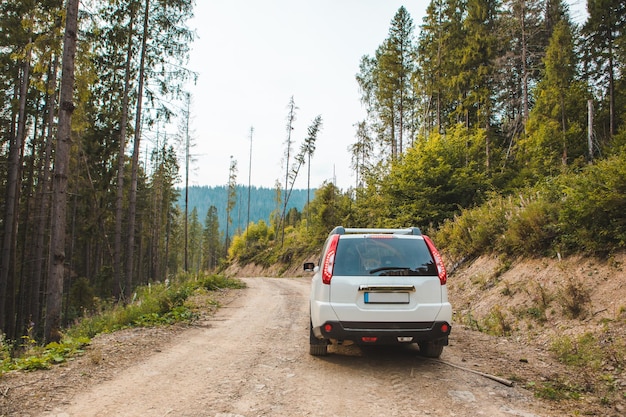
{"x": 405, "y": 270}
{"x": 390, "y": 268}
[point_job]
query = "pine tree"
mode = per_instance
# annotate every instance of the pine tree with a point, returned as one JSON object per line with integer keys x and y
{"x": 479, "y": 66}
{"x": 430, "y": 73}
{"x": 16, "y": 143}
{"x": 59, "y": 196}
{"x": 473, "y": 82}
{"x": 385, "y": 82}
{"x": 291, "y": 118}
{"x": 518, "y": 62}
{"x": 211, "y": 240}
{"x": 402, "y": 66}
{"x": 231, "y": 200}
{"x": 361, "y": 152}
{"x": 307, "y": 149}
{"x": 556, "y": 124}
{"x": 560, "y": 71}
{"x": 439, "y": 53}
{"x": 195, "y": 242}
{"x": 603, "y": 32}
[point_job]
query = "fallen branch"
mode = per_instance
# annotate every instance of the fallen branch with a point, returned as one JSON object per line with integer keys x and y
{"x": 502, "y": 381}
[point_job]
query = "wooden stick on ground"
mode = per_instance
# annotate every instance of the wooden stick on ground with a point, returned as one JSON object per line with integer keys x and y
{"x": 502, "y": 381}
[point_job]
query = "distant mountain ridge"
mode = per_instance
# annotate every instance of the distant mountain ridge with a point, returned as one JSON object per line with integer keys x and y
{"x": 262, "y": 204}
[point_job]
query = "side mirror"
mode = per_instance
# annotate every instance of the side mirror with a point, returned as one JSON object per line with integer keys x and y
{"x": 309, "y": 266}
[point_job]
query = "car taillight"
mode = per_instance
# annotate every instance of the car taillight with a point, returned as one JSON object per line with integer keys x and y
{"x": 329, "y": 260}
{"x": 441, "y": 269}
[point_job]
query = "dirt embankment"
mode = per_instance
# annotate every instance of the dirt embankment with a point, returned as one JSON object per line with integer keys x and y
{"x": 566, "y": 311}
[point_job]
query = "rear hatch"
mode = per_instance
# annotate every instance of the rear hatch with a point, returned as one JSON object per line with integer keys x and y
{"x": 385, "y": 278}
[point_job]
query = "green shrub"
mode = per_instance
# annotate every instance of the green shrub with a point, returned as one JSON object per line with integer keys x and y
{"x": 592, "y": 217}
{"x": 575, "y": 298}
{"x": 216, "y": 282}
{"x": 497, "y": 323}
{"x": 35, "y": 357}
{"x": 256, "y": 238}
{"x": 532, "y": 230}
{"x": 474, "y": 231}
{"x": 580, "y": 351}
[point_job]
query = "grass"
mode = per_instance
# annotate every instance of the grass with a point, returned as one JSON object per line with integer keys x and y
{"x": 497, "y": 323}
{"x": 556, "y": 390}
{"x": 581, "y": 351}
{"x": 152, "y": 305}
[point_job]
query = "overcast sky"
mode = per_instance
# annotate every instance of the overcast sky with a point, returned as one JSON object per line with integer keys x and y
{"x": 252, "y": 56}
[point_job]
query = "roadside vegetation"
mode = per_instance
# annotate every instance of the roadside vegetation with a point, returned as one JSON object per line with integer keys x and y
{"x": 571, "y": 213}
{"x": 152, "y": 305}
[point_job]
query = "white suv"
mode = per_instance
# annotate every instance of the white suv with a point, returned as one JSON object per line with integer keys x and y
{"x": 379, "y": 286}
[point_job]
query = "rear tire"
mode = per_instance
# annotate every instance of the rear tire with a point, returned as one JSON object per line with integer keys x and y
{"x": 430, "y": 349}
{"x": 317, "y": 347}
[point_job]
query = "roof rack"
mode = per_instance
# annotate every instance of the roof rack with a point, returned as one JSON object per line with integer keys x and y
{"x": 340, "y": 230}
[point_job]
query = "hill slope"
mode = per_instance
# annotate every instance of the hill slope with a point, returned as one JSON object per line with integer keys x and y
{"x": 571, "y": 310}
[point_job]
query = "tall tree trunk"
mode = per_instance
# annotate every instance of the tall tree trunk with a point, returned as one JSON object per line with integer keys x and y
{"x": 43, "y": 191}
{"x": 121, "y": 162}
{"x": 611, "y": 93}
{"x": 26, "y": 237}
{"x": 7, "y": 265}
{"x": 290, "y": 120}
{"x": 132, "y": 204}
{"x": 59, "y": 194}
{"x": 401, "y": 122}
{"x": 564, "y": 130}
{"x": 157, "y": 210}
{"x": 524, "y": 69}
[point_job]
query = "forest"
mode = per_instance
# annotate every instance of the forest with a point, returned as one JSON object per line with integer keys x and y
{"x": 264, "y": 203}
{"x": 493, "y": 126}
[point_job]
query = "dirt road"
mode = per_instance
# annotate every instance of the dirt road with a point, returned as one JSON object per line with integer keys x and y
{"x": 251, "y": 359}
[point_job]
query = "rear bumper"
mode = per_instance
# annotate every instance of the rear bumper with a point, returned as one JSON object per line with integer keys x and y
{"x": 385, "y": 333}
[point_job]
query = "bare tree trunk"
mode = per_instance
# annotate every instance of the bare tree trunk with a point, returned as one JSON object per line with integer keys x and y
{"x": 26, "y": 236}
{"x": 7, "y": 266}
{"x": 121, "y": 162}
{"x": 611, "y": 93}
{"x": 43, "y": 202}
{"x": 132, "y": 204}
{"x": 564, "y": 130}
{"x": 290, "y": 120}
{"x": 157, "y": 202}
{"x": 394, "y": 140}
{"x": 59, "y": 194}
{"x": 525, "y": 97}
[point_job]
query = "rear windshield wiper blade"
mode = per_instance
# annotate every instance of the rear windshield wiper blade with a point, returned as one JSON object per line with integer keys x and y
{"x": 390, "y": 268}
{"x": 401, "y": 270}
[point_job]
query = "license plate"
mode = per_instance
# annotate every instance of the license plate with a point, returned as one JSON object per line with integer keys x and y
{"x": 386, "y": 297}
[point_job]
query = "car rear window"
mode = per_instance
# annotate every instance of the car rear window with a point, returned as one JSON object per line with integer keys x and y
{"x": 384, "y": 255}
